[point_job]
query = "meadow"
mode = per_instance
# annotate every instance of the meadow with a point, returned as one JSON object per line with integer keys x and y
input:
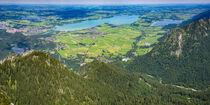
{"x": 115, "y": 41}
{"x": 107, "y": 41}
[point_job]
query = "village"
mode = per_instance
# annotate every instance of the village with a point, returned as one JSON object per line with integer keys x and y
{"x": 10, "y": 29}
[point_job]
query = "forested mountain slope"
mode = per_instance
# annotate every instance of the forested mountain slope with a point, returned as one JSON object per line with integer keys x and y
{"x": 36, "y": 78}
{"x": 181, "y": 58}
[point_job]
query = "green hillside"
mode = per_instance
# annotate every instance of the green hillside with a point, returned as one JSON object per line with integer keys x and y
{"x": 182, "y": 58}
{"x": 153, "y": 59}
{"x": 38, "y": 79}
{"x": 4, "y": 99}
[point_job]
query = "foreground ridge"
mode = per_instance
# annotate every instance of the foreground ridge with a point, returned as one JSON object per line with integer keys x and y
{"x": 38, "y": 78}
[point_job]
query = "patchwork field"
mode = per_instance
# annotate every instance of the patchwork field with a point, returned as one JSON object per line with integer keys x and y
{"x": 109, "y": 41}
{"x": 106, "y": 41}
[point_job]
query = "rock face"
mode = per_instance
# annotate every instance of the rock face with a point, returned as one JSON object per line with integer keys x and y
{"x": 181, "y": 58}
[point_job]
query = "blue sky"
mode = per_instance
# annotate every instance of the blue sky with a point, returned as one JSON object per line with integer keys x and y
{"x": 103, "y": 1}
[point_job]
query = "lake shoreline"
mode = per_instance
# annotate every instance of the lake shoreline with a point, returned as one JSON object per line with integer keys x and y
{"x": 115, "y": 20}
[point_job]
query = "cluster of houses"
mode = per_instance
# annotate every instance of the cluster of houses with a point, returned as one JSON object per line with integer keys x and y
{"x": 26, "y": 30}
{"x": 4, "y": 25}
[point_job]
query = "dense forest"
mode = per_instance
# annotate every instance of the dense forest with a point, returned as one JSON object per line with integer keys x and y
{"x": 181, "y": 58}
{"x": 37, "y": 78}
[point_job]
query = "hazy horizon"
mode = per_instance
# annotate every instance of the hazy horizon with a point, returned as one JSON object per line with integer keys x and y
{"x": 104, "y": 2}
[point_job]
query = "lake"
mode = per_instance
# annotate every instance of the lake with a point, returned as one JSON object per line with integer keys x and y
{"x": 116, "y": 20}
{"x": 18, "y": 50}
{"x": 166, "y": 22}
{"x": 33, "y": 18}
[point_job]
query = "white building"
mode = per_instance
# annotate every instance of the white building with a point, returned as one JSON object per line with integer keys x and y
{"x": 82, "y": 64}
{"x": 125, "y": 59}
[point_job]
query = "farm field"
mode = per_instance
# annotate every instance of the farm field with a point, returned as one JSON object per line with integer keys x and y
{"x": 106, "y": 42}
{"x": 110, "y": 42}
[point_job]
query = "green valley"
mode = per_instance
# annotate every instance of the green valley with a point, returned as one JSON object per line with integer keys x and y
{"x": 106, "y": 42}
{"x": 151, "y": 54}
